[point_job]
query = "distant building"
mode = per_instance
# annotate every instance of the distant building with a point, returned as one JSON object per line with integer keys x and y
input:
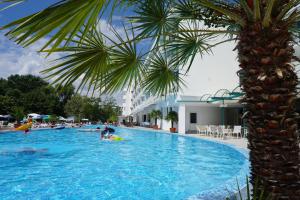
{"x": 209, "y": 98}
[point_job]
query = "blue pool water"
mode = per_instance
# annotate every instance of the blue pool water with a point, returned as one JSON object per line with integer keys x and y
{"x": 147, "y": 165}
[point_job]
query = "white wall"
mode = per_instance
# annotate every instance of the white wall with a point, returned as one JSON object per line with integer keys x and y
{"x": 213, "y": 71}
{"x": 127, "y": 104}
{"x": 182, "y": 119}
{"x": 205, "y": 116}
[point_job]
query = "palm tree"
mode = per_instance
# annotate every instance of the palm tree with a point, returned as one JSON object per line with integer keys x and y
{"x": 173, "y": 117}
{"x": 155, "y": 114}
{"x": 181, "y": 29}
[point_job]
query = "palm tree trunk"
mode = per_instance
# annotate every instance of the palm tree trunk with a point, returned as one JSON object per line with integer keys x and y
{"x": 269, "y": 81}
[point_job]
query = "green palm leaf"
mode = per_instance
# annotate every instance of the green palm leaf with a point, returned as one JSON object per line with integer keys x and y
{"x": 225, "y": 10}
{"x": 11, "y": 3}
{"x": 154, "y": 18}
{"x": 257, "y": 11}
{"x": 247, "y": 9}
{"x": 267, "y": 18}
{"x": 87, "y": 59}
{"x": 62, "y": 20}
{"x": 126, "y": 64}
{"x": 183, "y": 47}
{"x": 162, "y": 76}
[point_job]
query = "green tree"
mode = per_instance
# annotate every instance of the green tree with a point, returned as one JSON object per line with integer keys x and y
{"x": 155, "y": 114}
{"x": 112, "y": 118}
{"x": 264, "y": 30}
{"x": 53, "y": 118}
{"x": 25, "y": 83}
{"x": 75, "y": 107}
{"x": 6, "y": 104}
{"x": 92, "y": 109}
{"x": 64, "y": 94}
{"x": 3, "y": 86}
{"x": 109, "y": 109}
{"x": 34, "y": 95}
{"x": 18, "y": 113}
{"x": 41, "y": 100}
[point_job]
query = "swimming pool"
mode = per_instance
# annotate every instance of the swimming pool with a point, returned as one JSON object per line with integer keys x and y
{"x": 147, "y": 165}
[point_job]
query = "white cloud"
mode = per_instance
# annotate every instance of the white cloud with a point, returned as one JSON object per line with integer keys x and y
{"x": 15, "y": 59}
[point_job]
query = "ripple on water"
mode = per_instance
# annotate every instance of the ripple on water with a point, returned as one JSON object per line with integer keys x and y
{"x": 77, "y": 165}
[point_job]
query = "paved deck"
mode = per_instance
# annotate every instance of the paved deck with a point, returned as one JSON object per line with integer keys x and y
{"x": 238, "y": 142}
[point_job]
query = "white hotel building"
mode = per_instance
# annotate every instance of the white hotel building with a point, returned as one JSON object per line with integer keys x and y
{"x": 201, "y": 102}
{"x": 210, "y": 97}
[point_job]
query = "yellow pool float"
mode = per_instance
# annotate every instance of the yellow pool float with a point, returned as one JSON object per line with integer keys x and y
{"x": 24, "y": 127}
{"x": 116, "y": 138}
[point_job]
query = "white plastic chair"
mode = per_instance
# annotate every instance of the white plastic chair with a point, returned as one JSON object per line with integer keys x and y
{"x": 220, "y": 132}
{"x": 228, "y": 131}
{"x": 237, "y": 130}
{"x": 198, "y": 129}
{"x": 213, "y": 130}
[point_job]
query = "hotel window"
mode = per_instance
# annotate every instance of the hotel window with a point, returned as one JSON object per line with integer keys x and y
{"x": 193, "y": 118}
{"x": 144, "y": 118}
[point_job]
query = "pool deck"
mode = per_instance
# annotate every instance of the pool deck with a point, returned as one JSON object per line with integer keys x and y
{"x": 237, "y": 142}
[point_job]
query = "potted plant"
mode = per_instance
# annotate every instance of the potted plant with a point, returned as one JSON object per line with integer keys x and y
{"x": 173, "y": 117}
{"x": 155, "y": 114}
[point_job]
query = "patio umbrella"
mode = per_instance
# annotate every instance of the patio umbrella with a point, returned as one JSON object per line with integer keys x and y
{"x": 62, "y": 118}
{"x": 35, "y": 116}
{"x": 5, "y": 117}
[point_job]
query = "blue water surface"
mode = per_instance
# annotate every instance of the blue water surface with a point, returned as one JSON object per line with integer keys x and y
{"x": 67, "y": 164}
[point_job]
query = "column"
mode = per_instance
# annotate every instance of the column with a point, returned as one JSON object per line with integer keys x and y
{"x": 181, "y": 119}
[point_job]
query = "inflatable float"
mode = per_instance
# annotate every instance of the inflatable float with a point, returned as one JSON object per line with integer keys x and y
{"x": 117, "y": 138}
{"x": 24, "y": 127}
{"x": 113, "y": 138}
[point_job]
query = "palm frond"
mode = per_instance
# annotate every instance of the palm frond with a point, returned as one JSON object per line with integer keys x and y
{"x": 189, "y": 10}
{"x": 227, "y": 11}
{"x": 62, "y": 20}
{"x": 154, "y": 18}
{"x": 184, "y": 46}
{"x": 247, "y": 9}
{"x": 126, "y": 64}
{"x": 268, "y": 13}
{"x": 162, "y": 77}
{"x": 86, "y": 62}
{"x": 287, "y": 8}
{"x": 257, "y": 11}
{"x": 11, "y": 3}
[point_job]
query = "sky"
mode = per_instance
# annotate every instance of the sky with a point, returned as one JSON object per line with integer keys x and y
{"x": 15, "y": 59}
